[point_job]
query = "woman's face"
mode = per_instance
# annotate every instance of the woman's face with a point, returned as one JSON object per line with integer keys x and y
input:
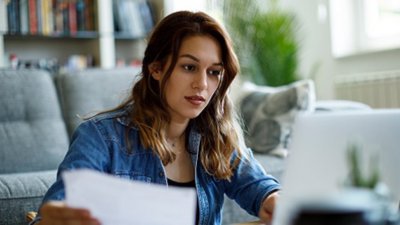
{"x": 195, "y": 77}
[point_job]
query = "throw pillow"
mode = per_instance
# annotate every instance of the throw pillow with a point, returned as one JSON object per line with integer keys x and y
{"x": 269, "y": 112}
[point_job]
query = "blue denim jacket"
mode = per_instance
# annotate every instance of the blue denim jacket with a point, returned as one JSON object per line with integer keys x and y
{"x": 100, "y": 144}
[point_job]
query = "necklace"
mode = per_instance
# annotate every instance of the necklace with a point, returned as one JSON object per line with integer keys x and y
{"x": 175, "y": 141}
{"x": 173, "y": 144}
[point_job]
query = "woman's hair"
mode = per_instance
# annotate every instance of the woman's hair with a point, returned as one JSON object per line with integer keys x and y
{"x": 217, "y": 123}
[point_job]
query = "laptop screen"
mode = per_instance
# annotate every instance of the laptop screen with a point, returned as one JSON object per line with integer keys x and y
{"x": 319, "y": 167}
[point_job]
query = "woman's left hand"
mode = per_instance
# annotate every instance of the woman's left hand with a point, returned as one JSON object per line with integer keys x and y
{"x": 267, "y": 208}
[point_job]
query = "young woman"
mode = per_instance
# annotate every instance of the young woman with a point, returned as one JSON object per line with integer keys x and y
{"x": 177, "y": 127}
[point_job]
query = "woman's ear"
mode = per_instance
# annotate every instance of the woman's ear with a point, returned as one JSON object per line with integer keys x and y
{"x": 155, "y": 69}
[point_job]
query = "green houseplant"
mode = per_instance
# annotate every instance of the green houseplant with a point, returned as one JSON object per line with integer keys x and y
{"x": 265, "y": 41}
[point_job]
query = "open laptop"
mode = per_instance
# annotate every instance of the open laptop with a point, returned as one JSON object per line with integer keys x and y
{"x": 318, "y": 168}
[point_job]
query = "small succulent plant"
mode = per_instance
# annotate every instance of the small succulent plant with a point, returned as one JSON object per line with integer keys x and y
{"x": 357, "y": 178}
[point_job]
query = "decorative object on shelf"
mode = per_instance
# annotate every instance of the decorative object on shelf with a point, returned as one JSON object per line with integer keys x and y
{"x": 78, "y": 62}
{"x": 49, "y": 64}
{"x": 266, "y": 41}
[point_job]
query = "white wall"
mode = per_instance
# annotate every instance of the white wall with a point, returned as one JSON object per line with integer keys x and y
{"x": 315, "y": 52}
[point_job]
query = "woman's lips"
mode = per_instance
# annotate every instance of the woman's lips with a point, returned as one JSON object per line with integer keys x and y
{"x": 195, "y": 99}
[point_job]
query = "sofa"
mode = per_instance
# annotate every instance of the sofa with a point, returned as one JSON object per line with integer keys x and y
{"x": 39, "y": 111}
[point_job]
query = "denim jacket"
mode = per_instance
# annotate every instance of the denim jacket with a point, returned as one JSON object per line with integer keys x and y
{"x": 100, "y": 144}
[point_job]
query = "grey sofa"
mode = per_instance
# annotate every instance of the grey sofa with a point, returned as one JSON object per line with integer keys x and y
{"x": 38, "y": 113}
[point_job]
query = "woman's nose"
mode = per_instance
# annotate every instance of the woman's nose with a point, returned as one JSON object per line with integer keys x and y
{"x": 200, "y": 81}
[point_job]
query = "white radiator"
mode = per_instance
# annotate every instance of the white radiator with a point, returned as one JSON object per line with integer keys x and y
{"x": 378, "y": 89}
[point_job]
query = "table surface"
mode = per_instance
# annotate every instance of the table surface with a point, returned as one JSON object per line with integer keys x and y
{"x": 250, "y": 223}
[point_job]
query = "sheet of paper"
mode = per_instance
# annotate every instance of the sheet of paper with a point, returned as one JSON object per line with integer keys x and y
{"x": 117, "y": 201}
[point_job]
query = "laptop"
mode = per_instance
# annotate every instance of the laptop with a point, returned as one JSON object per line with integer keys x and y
{"x": 317, "y": 169}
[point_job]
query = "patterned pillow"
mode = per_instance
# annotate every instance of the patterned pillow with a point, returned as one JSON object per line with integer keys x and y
{"x": 269, "y": 112}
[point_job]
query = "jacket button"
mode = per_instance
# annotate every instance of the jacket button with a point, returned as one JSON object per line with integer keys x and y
{"x": 161, "y": 174}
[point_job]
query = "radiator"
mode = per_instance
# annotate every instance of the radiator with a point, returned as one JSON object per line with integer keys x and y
{"x": 378, "y": 89}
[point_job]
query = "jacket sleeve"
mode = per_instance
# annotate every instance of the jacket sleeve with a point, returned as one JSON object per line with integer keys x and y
{"x": 88, "y": 149}
{"x": 250, "y": 184}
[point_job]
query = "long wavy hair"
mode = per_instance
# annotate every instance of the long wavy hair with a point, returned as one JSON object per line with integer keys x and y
{"x": 217, "y": 123}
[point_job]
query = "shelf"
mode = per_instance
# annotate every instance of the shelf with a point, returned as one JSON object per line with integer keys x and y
{"x": 78, "y": 35}
{"x": 127, "y": 36}
{"x": 100, "y": 39}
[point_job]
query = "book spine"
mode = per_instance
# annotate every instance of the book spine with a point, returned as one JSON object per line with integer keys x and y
{"x": 90, "y": 15}
{"x": 146, "y": 16}
{"x": 50, "y": 16}
{"x": 80, "y": 14}
{"x": 23, "y": 13}
{"x": 10, "y": 17}
{"x": 3, "y": 16}
{"x": 72, "y": 19}
{"x": 65, "y": 16}
{"x": 39, "y": 16}
{"x": 58, "y": 16}
{"x": 137, "y": 20}
{"x": 17, "y": 22}
{"x": 33, "y": 29}
{"x": 45, "y": 17}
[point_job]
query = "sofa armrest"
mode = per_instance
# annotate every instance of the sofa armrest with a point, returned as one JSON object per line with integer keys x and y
{"x": 21, "y": 193}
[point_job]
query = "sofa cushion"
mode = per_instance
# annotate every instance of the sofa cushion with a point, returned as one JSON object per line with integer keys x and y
{"x": 31, "y": 123}
{"x": 269, "y": 112}
{"x": 84, "y": 93}
{"x": 21, "y": 193}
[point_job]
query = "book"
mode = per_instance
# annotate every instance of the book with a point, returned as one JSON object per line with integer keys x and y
{"x": 58, "y": 10}
{"x": 32, "y": 15}
{"x": 3, "y": 16}
{"x": 39, "y": 16}
{"x": 47, "y": 17}
{"x": 128, "y": 18}
{"x": 146, "y": 14}
{"x": 12, "y": 15}
{"x": 23, "y": 14}
{"x": 72, "y": 17}
{"x": 90, "y": 15}
{"x": 80, "y": 15}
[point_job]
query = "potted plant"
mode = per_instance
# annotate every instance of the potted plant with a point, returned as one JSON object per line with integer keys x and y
{"x": 264, "y": 40}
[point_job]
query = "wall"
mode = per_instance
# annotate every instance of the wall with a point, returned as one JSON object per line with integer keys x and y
{"x": 315, "y": 52}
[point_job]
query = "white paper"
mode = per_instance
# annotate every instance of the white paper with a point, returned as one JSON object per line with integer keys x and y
{"x": 117, "y": 201}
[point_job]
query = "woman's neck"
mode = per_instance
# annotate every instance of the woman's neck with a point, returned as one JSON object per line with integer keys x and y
{"x": 175, "y": 131}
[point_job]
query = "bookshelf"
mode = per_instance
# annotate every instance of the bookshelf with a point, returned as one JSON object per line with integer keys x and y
{"x": 101, "y": 41}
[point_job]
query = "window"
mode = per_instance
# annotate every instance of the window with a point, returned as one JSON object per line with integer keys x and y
{"x": 361, "y": 26}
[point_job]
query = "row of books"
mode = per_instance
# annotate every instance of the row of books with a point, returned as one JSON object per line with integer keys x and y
{"x": 133, "y": 18}
{"x": 50, "y": 17}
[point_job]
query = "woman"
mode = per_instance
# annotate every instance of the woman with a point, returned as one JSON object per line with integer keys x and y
{"x": 176, "y": 128}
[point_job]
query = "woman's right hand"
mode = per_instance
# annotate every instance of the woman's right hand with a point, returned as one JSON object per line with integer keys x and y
{"x": 57, "y": 213}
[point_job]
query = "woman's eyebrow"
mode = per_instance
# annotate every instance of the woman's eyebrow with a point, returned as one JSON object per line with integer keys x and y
{"x": 198, "y": 60}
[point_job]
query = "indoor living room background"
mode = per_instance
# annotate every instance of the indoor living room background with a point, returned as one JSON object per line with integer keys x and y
{"x": 347, "y": 59}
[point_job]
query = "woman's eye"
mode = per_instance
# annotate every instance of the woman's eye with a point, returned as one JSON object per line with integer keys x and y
{"x": 189, "y": 67}
{"x": 215, "y": 72}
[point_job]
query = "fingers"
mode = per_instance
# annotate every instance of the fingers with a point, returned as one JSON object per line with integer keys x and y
{"x": 56, "y": 213}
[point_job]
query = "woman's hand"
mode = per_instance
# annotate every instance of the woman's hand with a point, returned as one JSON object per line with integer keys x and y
{"x": 267, "y": 208}
{"x": 57, "y": 213}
